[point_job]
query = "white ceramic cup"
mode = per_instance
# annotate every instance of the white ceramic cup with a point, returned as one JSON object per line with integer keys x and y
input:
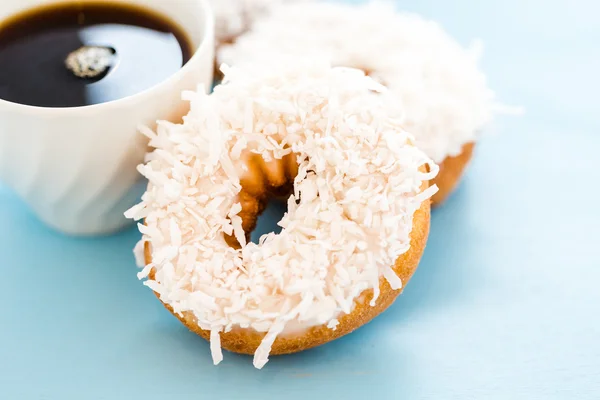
{"x": 76, "y": 167}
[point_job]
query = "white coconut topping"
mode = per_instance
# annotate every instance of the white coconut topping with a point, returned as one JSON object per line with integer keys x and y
{"x": 350, "y": 217}
{"x": 443, "y": 93}
{"x": 234, "y": 17}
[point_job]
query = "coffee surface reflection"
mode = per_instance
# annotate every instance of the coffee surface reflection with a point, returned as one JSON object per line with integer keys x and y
{"x": 85, "y": 53}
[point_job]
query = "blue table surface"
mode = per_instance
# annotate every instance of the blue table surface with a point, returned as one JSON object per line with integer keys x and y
{"x": 505, "y": 304}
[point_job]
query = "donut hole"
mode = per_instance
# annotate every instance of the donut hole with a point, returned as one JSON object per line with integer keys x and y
{"x": 268, "y": 221}
{"x": 265, "y": 191}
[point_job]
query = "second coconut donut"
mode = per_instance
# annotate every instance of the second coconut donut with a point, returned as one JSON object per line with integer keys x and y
{"x": 444, "y": 95}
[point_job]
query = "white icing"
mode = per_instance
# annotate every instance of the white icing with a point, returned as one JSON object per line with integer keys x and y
{"x": 358, "y": 186}
{"x": 443, "y": 94}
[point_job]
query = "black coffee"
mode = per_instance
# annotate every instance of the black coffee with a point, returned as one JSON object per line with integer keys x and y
{"x": 83, "y": 53}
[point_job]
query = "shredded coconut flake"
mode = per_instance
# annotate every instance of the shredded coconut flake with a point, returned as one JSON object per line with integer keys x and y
{"x": 215, "y": 347}
{"x": 333, "y": 324}
{"x": 358, "y": 186}
{"x": 444, "y": 97}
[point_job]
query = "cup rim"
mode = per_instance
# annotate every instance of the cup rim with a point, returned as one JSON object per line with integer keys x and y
{"x": 207, "y": 40}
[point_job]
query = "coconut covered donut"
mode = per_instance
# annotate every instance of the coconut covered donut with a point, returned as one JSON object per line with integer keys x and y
{"x": 444, "y": 96}
{"x": 357, "y": 220}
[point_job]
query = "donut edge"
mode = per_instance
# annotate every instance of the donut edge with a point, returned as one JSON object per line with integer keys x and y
{"x": 451, "y": 172}
{"x": 246, "y": 341}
